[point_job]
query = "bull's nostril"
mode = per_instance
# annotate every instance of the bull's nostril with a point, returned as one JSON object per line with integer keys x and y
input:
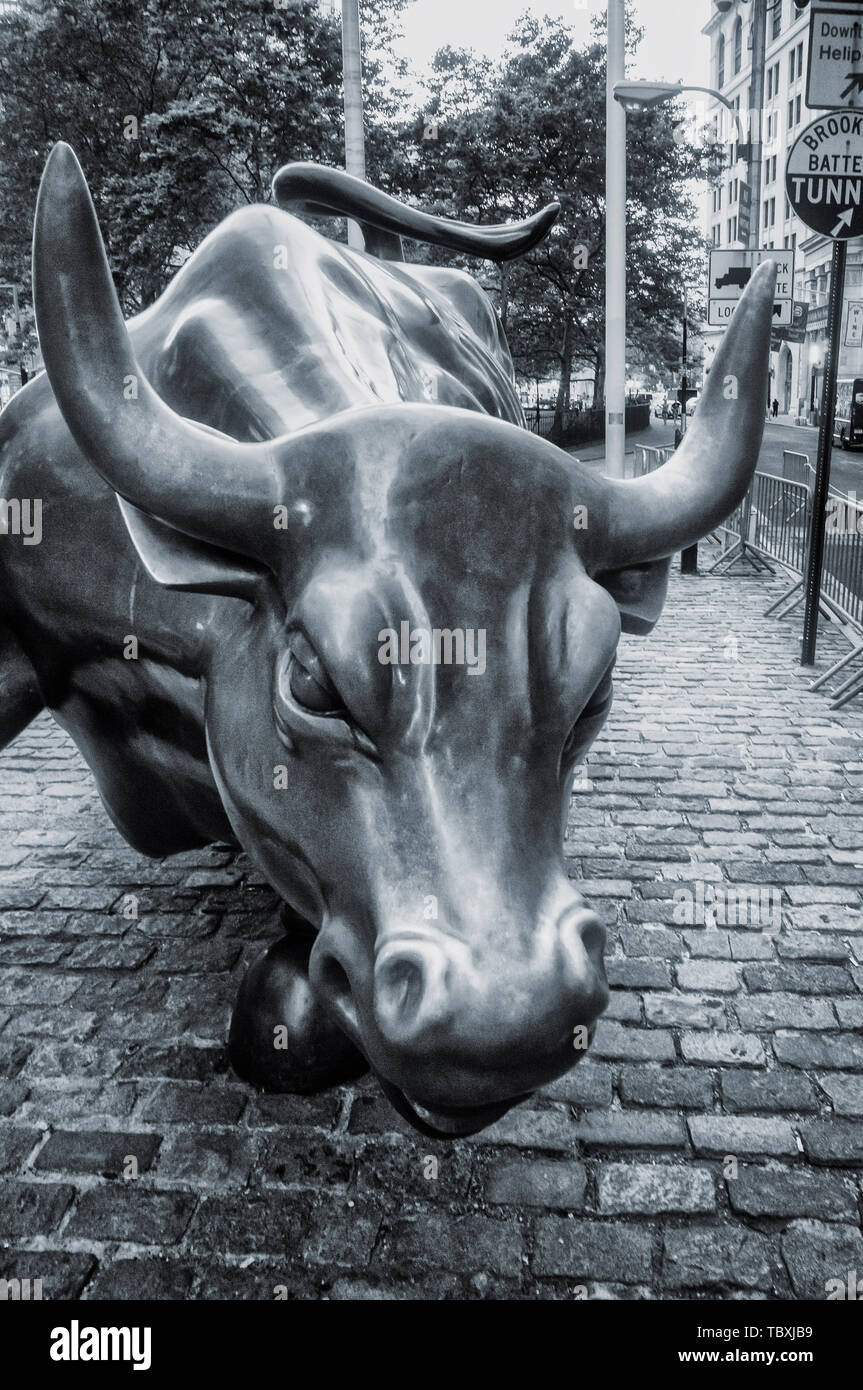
{"x": 330, "y": 980}
{"x": 334, "y": 981}
{"x": 410, "y": 990}
{"x": 582, "y": 938}
{"x": 401, "y": 981}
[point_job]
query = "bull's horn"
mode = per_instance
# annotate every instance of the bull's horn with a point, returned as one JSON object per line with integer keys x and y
{"x": 312, "y": 188}
{"x": 196, "y": 480}
{"x": 700, "y": 486}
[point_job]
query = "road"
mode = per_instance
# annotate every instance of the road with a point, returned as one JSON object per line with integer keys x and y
{"x": 846, "y": 469}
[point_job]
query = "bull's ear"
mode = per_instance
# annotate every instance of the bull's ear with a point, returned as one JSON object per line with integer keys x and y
{"x": 639, "y": 592}
{"x": 179, "y": 561}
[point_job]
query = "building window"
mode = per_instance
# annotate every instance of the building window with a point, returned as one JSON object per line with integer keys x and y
{"x": 738, "y": 45}
{"x": 777, "y": 20}
{"x": 769, "y": 84}
{"x": 792, "y": 64}
{"x": 797, "y": 110}
{"x": 790, "y": 114}
{"x": 800, "y": 59}
{"x": 716, "y": 236}
{"x": 720, "y": 61}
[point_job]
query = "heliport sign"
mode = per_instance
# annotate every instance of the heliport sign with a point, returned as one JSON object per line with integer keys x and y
{"x": 824, "y": 175}
{"x": 835, "y": 74}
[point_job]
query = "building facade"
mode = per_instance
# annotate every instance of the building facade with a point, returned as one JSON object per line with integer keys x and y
{"x": 796, "y": 369}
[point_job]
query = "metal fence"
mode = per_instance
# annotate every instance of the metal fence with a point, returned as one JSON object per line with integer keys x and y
{"x": 539, "y": 419}
{"x": 771, "y": 526}
{"x": 646, "y": 457}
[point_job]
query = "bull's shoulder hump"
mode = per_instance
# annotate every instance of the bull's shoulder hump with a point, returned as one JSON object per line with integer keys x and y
{"x": 460, "y": 290}
{"x": 258, "y": 234}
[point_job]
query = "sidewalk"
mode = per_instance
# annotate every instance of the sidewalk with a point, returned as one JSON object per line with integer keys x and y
{"x": 711, "y": 1143}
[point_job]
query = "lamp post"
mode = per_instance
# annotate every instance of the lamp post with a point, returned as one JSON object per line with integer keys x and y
{"x": 615, "y": 247}
{"x": 644, "y": 96}
{"x": 355, "y": 149}
{"x": 623, "y": 97}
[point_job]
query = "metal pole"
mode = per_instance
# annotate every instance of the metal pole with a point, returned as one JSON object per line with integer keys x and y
{"x": 756, "y": 116}
{"x": 688, "y": 557}
{"x": 615, "y": 249}
{"x": 825, "y": 448}
{"x": 355, "y": 149}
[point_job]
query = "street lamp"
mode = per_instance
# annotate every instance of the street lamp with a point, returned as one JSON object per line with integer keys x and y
{"x": 637, "y": 96}
{"x": 643, "y": 96}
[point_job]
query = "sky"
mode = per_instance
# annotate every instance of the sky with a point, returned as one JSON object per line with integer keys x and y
{"x": 674, "y": 48}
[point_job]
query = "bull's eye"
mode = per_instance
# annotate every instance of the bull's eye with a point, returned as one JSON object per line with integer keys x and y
{"x": 303, "y": 676}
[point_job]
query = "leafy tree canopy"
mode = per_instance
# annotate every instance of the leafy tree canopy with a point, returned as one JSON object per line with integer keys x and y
{"x": 180, "y": 111}
{"x": 529, "y": 129}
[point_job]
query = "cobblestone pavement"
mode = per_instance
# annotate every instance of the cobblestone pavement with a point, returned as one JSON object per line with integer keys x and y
{"x": 711, "y": 1144}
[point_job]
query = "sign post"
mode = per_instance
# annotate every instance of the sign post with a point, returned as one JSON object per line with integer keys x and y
{"x": 815, "y": 561}
{"x": 824, "y": 183}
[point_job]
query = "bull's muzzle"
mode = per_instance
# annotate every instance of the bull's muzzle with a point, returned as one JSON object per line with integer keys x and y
{"x": 460, "y": 1029}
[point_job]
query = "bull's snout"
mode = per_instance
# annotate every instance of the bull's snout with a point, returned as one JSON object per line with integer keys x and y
{"x": 428, "y": 987}
{"x": 457, "y": 1022}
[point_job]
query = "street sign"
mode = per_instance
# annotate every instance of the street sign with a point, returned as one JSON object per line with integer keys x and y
{"x": 824, "y": 175}
{"x": 835, "y": 74}
{"x": 796, "y": 332}
{"x": 744, "y": 211}
{"x": 730, "y": 273}
{"x": 854, "y": 325}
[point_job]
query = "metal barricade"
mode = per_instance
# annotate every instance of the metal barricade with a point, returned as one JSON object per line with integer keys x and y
{"x": 647, "y": 457}
{"x": 796, "y": 468}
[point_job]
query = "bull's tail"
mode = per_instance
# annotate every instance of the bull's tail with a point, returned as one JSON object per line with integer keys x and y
{"x": 311, "y": 188}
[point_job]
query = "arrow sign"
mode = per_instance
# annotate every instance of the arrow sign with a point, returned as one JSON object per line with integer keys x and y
{"x": 824, "y": 175}
{"x": 855, "y": 84}
{"x": 835, "y": 73}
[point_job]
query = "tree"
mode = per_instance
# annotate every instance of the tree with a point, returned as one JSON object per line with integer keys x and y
{"x": 180, "y": 110}
{"x": 518, "y": 133}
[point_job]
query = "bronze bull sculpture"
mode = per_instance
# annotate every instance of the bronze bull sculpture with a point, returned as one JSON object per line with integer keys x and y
{"x": 375, "y": 619}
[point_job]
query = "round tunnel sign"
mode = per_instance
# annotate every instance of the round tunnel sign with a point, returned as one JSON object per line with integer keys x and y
{"x": 824, "y": 175}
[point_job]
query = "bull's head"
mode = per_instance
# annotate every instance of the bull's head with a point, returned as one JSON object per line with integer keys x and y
{"x": 417, "y": 825}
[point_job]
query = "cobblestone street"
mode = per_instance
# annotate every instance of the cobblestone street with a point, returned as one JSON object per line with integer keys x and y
{"x": 710, "y": 1145}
